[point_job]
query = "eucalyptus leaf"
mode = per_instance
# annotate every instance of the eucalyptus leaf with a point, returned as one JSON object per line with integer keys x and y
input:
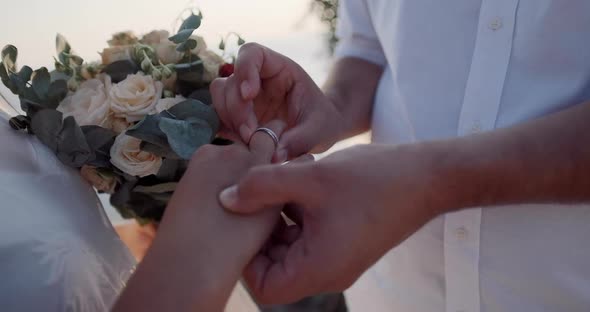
{"x": 58, "y": 90}
{"x": 169, "y": 169}
{"x": 9, "y": 55}
{"x": 46, "y": 125}
{"x": 187, "y": 45}
{"x": 156, "y": 189}
{"x": 6, "y": 79}
{"x": 100, "y": 141}
{"x": 196, "y": 109}
{"x": 192, "y": 22}
{"x": 41, "y": 82}
{"x": 182, "y": 35}
{"x": 202, "y": 95}
{"x": 75, "y": 61}
{"x": 61, "y": 44}
{"x": 148, "y": 130}
{"x": 21, "y": 78}
{"x": 119, "y": 70}
{"x": 72, "y": 148}
{"x": 186, "y": 136}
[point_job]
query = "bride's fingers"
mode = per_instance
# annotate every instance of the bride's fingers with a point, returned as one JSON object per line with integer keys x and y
{"x": 262, "y": 144}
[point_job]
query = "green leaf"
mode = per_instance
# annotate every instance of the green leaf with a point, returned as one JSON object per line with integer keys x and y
{"x": 148, "y": 130}
{"x": 100, "y": 141}
{"x": 9, "y": 55}
{"x": 169, "y": 187}
{"x": 192, "y": 22}
{"x": 62, "y": 45}
{"x": 222, "y": 45}
{"x": 72, "y": 148}
{"x": 202, "y": 95}
{"x": 21, "y": 78}
{"x": 6, "y": 79}
{"x": 75, "y": 61}
{"x": 191, "y": 109}
{"x": 41, "y": 82}
{"x": 46, "y": 125}
{"x": 170, "y": 169}
{"x": 119, "y": 70}
{"x": 187, "y": 45}
{"x": 182, "y": 35}
{"x": 241, "y": 41}
{"x": 58, "y": 90}
{"x": 186, "y": 136}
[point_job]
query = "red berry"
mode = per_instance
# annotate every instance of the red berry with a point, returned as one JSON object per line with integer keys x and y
{"x": 226, "y": 70}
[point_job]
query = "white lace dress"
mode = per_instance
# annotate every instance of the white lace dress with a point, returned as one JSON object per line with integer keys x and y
{"x": 58, "y": 250}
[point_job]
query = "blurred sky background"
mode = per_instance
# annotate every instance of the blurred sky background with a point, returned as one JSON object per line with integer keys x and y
{"x": 283, "y": 25}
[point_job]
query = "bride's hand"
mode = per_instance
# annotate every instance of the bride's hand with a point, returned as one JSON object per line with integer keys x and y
{"x": 200, "y": 250}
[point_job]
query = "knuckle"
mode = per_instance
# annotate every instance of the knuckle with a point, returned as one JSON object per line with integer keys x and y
{"x": 250, "y": 46}
{"x": 216, "y": 88}
{"x": 206, "y": 151}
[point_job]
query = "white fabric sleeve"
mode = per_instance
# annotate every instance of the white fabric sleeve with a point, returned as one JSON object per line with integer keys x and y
{"x": 356, "y": 34}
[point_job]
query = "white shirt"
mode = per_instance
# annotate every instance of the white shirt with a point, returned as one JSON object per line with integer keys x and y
{"x": 458, "y": 67}
{"x": 58, "y": 250}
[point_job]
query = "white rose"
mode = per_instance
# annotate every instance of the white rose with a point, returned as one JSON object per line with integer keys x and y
{"x": 89, "y": 105}
{"x": 167, "y": 103}
{"x": 135, "y": 97}
{"x": 119, "y": 125}
{"x": 212, "y": 62}
{"x": 129, "y": 158}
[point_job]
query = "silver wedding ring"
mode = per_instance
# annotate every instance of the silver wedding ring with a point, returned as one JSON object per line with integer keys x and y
{"x": 270, "y": 133}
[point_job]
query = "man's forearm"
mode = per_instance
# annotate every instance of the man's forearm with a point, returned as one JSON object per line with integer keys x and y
{"x": 351, "y": 86}
{"x": 541, "y": 161}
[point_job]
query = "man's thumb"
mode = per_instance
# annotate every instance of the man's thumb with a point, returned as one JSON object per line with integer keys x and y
{"x": 263, "y": 187}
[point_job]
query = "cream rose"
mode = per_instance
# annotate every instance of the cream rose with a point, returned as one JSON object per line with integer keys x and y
{"x": 201, "y": 45}
{"x": 167, "y": 103}
{"x": 129, "y": 158}
{"x": 102, "y": 182}
{"x": 155, "y": 37}
{"x": 167, "y": 53}
{"x": 89, "y": 105}
{"x": 212, "y": 62}
{"x": 135, "y": 97}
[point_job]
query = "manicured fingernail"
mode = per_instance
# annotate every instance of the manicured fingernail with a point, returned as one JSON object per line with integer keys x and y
{"x": 245, "y": 132}
{"x": 229, "y": 197}
{"x": 281, "y": 155}
{"x": 245, "y": 89}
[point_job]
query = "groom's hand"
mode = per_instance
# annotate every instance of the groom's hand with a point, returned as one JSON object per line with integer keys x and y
{"x": 350, "y": 209}
{"x": 266, "y": 86}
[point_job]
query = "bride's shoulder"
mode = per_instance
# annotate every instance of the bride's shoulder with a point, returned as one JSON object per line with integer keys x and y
{"x": 56, "y": 243}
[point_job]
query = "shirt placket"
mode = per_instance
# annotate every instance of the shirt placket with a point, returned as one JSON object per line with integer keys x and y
{"x": 481, "y": 103}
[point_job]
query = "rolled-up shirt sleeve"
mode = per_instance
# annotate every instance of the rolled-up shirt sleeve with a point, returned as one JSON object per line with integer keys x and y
{"x": 356, "y": 34}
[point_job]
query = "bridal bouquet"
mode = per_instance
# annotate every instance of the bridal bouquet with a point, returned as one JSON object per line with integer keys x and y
{"x": 129, "y": 122}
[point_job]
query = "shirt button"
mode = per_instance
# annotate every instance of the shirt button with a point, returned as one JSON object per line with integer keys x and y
{"x": 461, "y": 233}
{"x": 495, "y": 24}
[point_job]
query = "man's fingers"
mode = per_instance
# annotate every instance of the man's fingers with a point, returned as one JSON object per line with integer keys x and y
{"x": 265, "y": 186}
{"x": 298, "y": 141}
{"x": 262, "y": 145}
{"x": 255, "y": 63}
{"x": 283, "y": 281}
{"x": 248, "y": 66}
